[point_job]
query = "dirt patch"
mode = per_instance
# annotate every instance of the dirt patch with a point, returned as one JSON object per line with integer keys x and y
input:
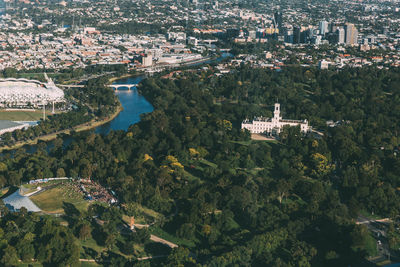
{"x": 261, "y": 137}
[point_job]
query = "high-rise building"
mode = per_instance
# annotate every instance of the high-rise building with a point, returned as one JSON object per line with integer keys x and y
{"x": 289, "y": 36}
{"x": 340, "y": 35}
{"x": 296, "y": 34}
{"x": 147, "y": 60}
{"x": 351, "y": 34}
{"x": 323, "y": 27}
{"x": 278, "y": 21}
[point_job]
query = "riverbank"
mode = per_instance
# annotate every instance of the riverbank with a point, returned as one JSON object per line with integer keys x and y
{"x": 79, "y": 128}
{"x": 125, "y": 76}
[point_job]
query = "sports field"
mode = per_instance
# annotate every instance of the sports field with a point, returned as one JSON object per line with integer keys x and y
{"x": 22, "y": 115}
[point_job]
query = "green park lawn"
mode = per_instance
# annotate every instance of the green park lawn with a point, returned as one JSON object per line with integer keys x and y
{"x": 52, "y": 200}
{"x": 22, "y": 115}
{"x": 155, "y": 230}
{"x": 145, "y": 216}
{"x": 34, "y": 264}
{"x": 89, "y": 264}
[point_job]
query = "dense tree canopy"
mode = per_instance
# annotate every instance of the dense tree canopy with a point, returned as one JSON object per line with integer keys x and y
{"x": 243, "y": 202}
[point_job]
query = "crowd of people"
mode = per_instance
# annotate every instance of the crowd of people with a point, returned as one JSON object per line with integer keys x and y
{"x": 94, "y": 191}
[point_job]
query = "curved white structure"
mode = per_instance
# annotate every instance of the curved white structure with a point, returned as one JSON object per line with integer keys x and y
{"x": 21, "y": 92}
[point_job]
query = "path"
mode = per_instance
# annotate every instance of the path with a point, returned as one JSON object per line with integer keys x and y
{"x": 151, "y": 257}
{"x": 163, "y": 241}
{"x": 34, "y": 192}
{"x": 155, "y": 238}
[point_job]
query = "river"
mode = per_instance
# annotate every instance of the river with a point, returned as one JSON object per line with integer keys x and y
{"x": 134, "y": 105}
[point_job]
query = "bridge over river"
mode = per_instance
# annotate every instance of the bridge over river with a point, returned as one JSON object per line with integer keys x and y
{"x": 128, "y": 85}
{"x": 113, "y": 86}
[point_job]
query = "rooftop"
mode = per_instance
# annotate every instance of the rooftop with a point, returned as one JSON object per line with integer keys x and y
{"x": 4, "y": 124}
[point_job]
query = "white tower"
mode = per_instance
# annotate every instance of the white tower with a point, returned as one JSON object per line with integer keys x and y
{"x": 277, "y": 112}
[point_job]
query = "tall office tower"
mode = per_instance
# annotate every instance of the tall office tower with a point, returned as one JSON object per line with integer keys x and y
{"x": 296, "y": 34}
{"x": 323, "y": 27}
{"x": 340, "y": 35}
{"x": 289, "y": 37}
{"x": 351, "y": 34}
{"x": 278, "y": 21}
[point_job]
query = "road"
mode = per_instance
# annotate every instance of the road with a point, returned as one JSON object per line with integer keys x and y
{"x": 378, "y": 228}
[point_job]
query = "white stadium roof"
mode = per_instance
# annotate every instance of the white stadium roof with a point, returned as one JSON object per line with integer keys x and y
{"x": 24, "y": 91}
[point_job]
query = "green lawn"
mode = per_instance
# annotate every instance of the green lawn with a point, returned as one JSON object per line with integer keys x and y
{"x": 155, "y": 230}
{"x": 208, "y": 163}
{"x": 370, "y": 216}
{"x": 146, "y": 216}
{"x": 34, "y": 264}
{"x": 52, "y": 200}
{"x": 91, "y": 243}
{"x": 244, "y": 143}
{"x": 23, "y": 115}
{"x": 32, "y": 76}
{"x": 191, "y": 178}
{"x": 89, "y": 264}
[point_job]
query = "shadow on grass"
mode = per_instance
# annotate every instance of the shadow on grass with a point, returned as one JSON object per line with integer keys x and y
{"x": 10, "y": 191}
{"x": 155, "y": 249}
{"x": 91, "y": 253}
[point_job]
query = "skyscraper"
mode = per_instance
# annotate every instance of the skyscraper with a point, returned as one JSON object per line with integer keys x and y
{"x": 351, "y": 34}
{"x": 340, "y": 35}
{"x": 278, "y": 21}
{"x": 323, "y": 27}
{"x": 296, "y": 34}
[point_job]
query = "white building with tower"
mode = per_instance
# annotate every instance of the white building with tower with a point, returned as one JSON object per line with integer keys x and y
{"x": 263, "y": 125}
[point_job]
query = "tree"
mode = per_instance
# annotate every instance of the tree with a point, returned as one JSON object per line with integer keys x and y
{"x": 110, "y": 241}
{"x": 85, "y": 231}
{"x": 180, "y": 257}
{"x": 10, "y": 257}
{"x": 25, "y": 250}
{"x": 60, "y": 172}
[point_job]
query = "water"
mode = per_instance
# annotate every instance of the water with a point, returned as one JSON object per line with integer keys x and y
{"x": 134, "y": 105}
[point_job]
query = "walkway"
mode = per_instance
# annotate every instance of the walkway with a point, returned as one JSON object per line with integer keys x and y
{"x": 162, "y": 241}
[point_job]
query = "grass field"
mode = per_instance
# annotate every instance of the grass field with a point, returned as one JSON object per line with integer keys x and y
{"x": 23, "y": 115}
{"x": 146, "y": 216}
{"x": 155, "y": 230}
{"x": 34, "y": 264}
{"x": 89, "y": 264}
{"x": 51, "y": 200}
